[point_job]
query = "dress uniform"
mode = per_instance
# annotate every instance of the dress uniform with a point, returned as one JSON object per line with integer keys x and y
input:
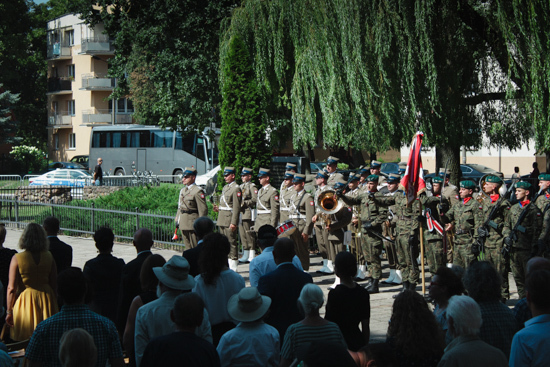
{"x": 333, "y": 176}
{"x": 389, "y": 230}
{"x": 375, "y": 167}
{"x": 519, "y": 243}
{"x": 287, "y": 191}
{"x": 291, "y": 168}
{"x": 229, "y": 210}
{"x": 302, "y": 209}
{"x": 321, "y": 236}
{"x": 355, "y": 226}
{"x": 267, "y": 202}
{"x": 248, "y": 203}
{"x": 191, "y": 205}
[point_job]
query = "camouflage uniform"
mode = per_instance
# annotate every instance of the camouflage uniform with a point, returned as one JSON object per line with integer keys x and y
{"x": 433, "y": 241}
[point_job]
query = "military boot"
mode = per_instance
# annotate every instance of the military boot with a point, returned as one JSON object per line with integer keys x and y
{"x": 405, "y": 287}
{"x": 373, "y": 288}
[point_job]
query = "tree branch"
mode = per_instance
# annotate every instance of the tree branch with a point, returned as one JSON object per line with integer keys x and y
{"x": 486, "y": 97}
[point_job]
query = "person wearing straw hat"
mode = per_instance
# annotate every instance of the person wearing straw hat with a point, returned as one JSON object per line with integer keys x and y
{"x": 250, "y": 194}
{"x": 153, "y": 319}
{"x": 252, "y": 342}
{"x": 191, "y": 205}
{"x": 267, "y": 203}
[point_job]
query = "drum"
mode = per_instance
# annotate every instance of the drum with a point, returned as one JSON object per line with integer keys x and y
{"x": 286, "y": 228}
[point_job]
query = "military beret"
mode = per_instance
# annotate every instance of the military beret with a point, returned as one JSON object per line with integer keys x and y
{"x": 372, "y": 178}
{"x": 523, "y": 185}
{"x": 228, "y": 171}
{"x": 375, "y": 164}
{"x": 493, "y": 179}
{"x": 289, "y": 175}
{"x": 322, "y": 174}
{"x": 332, "y": 160}
{"x": 340, "y": 183}
{"x": 437, "y": 180}
{"x": 393, "y": 178}
{"x": 468, "y": 184}
{"x": 189, "y": 171}
{"x": 298, "y": 177}
{"x": 290, "y": 166}
{"x": 264, "y": 172}
{"x": 246, "y": 171}
{"x": 544, "y": 177}
{"x": 354, "y": 177}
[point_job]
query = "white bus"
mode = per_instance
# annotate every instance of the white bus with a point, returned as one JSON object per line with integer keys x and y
{"x": 129, "y": 148}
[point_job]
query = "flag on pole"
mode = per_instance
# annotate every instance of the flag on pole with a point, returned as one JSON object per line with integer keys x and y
{"x": 413, "y": 181}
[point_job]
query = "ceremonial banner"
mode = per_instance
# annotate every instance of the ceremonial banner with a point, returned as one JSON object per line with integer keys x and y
{"x": 413, "y": 182}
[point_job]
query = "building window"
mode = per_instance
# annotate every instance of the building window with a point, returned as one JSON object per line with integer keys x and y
{"x": 69, "y": 36}
{"x": 70, "y": 107}
{"x": 56, "y": 141}
{"x": 72, "y": 141}
{"x": 70, "y": 71}
{"x": 124, "y": 105}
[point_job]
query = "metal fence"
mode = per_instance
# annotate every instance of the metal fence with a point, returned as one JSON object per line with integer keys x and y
{"x": 84, "y": 218}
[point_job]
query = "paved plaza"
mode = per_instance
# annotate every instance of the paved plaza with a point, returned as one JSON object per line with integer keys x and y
{"x": 381, "y": 303}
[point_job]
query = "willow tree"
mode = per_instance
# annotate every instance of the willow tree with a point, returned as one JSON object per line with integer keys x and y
{"x": 367, "y": 74}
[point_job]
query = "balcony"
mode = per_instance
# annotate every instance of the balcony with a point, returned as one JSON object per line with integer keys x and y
{"x": 100, "y": 45}
{"x": 93, "y": 117}
{"x": 61, "y": 85}
{"x": 59, "y": 52}
{"x": 97, "y": 82}
{"x": 60, "y": 120}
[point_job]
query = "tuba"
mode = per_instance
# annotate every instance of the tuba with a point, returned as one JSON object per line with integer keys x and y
{"x": 329, "y": 204}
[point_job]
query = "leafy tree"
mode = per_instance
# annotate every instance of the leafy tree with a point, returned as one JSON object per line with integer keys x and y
{"x": 8, "y": 124}
{"x": 32, "y": 158}
{"x": 243, "y": 139}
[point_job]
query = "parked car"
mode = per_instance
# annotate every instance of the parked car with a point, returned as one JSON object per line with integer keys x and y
{"x": 63, "y": 177}
{"x": 83, "y": 160}
{"x": 472, "y": 171}
{"x": 67, "y": 165}
{"x": 317, "y": 166}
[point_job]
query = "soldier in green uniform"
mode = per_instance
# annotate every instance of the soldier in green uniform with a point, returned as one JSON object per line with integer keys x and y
{"x": 320, "y": 234}
{"x": 544, "y": 199}
{"x": 333, "y": 176}
{"x": 287, "y": 191}
{"x": 191, "y": 205}
{"x": 518, "y": 243}
{"x": 267, "y": 203}
{"x": 465, "y": 218}
{"x": 249, "y": 192}
{"x": 373, "y": 217}
{"x": 302, "y": 209}
{"x": 491, "y": 234}
{"x": 355, "y": 227}
{"x": 390, "y": 231}
{"x": 229, "y": 209}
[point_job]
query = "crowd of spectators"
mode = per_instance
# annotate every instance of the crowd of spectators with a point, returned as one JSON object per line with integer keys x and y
{"x": 158, "y": 312}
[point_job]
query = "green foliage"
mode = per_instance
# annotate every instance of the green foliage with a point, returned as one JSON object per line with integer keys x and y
{"x": 8, "y": 125}
{"x": 32, "y": 158}
{"x": 243, "y": 137}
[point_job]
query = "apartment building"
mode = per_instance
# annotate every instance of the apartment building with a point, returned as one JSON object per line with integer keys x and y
{"x": 78, "y": 86}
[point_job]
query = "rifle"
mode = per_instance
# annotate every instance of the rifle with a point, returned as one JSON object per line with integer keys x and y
{"x": 376, "y": 234}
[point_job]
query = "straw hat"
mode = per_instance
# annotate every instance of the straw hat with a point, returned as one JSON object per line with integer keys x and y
{"x": 248, "y": 305}
{"x": 175, "y": 274}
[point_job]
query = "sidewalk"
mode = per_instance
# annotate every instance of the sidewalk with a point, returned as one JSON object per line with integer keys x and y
{"x": 381, "y": 303}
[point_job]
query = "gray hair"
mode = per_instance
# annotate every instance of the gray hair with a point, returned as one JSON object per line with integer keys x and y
{"x": 311, "y": 298}
{"x": 466, "y": 315}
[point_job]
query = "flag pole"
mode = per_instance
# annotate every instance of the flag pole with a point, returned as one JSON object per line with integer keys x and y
{"x": 422, "y": 253}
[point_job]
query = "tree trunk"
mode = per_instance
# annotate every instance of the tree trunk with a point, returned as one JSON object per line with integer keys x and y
{"x": 452, "y": 154}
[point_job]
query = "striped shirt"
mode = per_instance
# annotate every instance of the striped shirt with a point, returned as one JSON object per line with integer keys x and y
{"x": 298, "y": 336}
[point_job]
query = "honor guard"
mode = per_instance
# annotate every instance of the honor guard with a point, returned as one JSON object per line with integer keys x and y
{"x": 229, "y": 209}
{"x": 321, "y": 236}
{"x": 355, "y": 227}
{"x": 267, "y": 202}
{"x": 287, "y": 191}
{"x": 302, "y": 209}
{"x": 375, "y": 167}
{"x": 248, "y": 203}
{"x": 521, "y": 230}
{"x": 390, "y": 231}
{"x": 451, "y": 191}
{"x": 465, "y": 218}
{"x": 364, "y": 172}
{"x": 289, "y": 167}
{"x": 333, "y": 176}
{"x": 544, "y": 199}
{"x": 191, "y": 205}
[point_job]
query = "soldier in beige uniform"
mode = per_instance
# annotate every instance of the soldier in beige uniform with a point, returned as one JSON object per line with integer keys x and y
{"x": 267, "y": 203}
{"x": 249, "y": 192}
{"x": 320, "y": 234}
{"x": 191, "y": 205}
{"x": 229, "y": 210}
{"x": 287, "y": 191}
{"x": 355, "y": 227}
{"x": 301, "y": 213}
{"x": 375, "y": 167}
{"x": 333, "y": 176}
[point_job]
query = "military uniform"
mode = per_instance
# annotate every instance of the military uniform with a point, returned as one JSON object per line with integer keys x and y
{"x": 267, "y": 204}
{"x": 334, "y": 176}
{"x": 433, "y": 231}
{"x": 248, "y": 203}
{"x": 321, "y": 235}
{"x": 355, "y": 229}
{"x": 229, "y": 211}
{"x": 302, "y": 209}
{"x": 389, "y": 230}
{"x": 285, "y": 195}
{"x": 191, "y": 205}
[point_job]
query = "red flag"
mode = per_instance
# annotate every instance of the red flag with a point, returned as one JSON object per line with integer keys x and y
{"x": 413, "y": 182}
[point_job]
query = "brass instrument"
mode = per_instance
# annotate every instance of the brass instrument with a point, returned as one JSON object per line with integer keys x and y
{"x": 329, "y": 204}
{"x": 482, "y": 195}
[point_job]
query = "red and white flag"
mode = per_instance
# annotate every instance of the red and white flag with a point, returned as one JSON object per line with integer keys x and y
{"x": 413, "y": 182}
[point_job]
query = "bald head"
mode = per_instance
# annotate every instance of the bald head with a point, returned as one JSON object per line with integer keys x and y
{"x": 143, "y": 239}
{"x": 537, "y": 263}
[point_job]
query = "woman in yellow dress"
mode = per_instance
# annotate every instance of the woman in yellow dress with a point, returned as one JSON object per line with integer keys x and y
{"x": 32, "y": 284}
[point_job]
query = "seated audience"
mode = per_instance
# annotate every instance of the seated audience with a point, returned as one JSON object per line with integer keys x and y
{"x": 467, "y": 349}
{"x": 103, "y": 274}
{"x": 348, "y": 304}
{"x": 414, "y": 335}
{"x": 482, "y": 282}
{"x": 265, "y": 263}
{"x": 531, "y": 345}
{"x": 77, "y": 349}
{"x": 521, "y": 309}
{"x": 313, "y": 327}
{"x": 202, "y": 226}
{"x": 252, "y": 342}
{"x": 183, "y": 346}
{"x": 217, "y": 283}
{"x": 61, "y": 252}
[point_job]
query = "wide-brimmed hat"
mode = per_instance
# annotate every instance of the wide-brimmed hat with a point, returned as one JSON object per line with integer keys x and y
{"x": 248, "y": 305}
{"x": 175, "y": 274}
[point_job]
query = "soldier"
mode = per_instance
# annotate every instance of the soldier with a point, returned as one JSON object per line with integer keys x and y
{"x": 287, "y": 191}
{"x": 228, "y": 213}
{"x": 466, "y": 215}
{"x": 333, "y": 176}
{"x": 249, "y": 194}
{"x": 375, "y": 167}
{"x": 355, "y": 227}
{"x": 302, "y": 209}
{"x": 290, "y": 167}
{"x": 320, "y": 234}
{"x": 544, "y": 184}
{"x": 364, "y": 172}
{"x": 434, "y": 234}
{"x": 191, "y": 205}
{"x": 491, "y": 233}
{"x": 267, "y": 203}
{"x": 521, "y": 230}
{"x": 451, "y": 191}
{"x": 390, "y": 231}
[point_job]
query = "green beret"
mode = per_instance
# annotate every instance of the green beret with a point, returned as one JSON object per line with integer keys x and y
{"x": 438, "y": 180}
{"x": 468, "y": 184}
{"x": 523, "y": 185}
{"x": 494, "y": 179}
{"x": 544, "y": 177}
{"x": 372, "y": 178}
